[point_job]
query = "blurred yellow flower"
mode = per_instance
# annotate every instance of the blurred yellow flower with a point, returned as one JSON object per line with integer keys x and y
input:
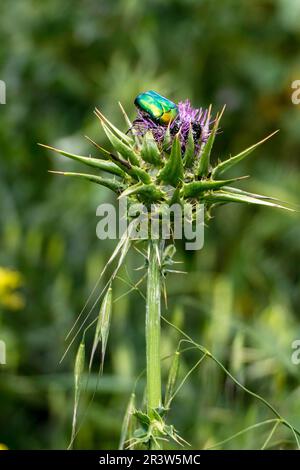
{"x": 10, "y": 280}
{"x": 3, "y": 446}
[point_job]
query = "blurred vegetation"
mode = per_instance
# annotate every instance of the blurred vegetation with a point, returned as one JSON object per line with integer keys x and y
{"x": 241, "y": 297}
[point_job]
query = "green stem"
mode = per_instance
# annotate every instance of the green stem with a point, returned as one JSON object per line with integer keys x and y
{"x": 153, "y": 327}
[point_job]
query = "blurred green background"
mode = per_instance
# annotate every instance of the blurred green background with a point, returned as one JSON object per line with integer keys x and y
{"x": 241, "y": 297}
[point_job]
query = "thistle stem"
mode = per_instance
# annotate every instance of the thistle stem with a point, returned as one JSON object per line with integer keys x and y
{"x": 153, "y": 314}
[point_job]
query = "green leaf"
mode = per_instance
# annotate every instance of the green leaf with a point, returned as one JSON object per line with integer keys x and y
{"x": 142, "y": 418}
{"x": 142, "y": 175}
{"x": 114, "y": 185}
{"x": 149, "y": 151}
{"x": 205, "y": 151}
{"x": 175, "y": 199}
{"x": 172, "y": 172}
{"x": 224, "y": 196}
{"x": 230, "y": 162}
{"x": 189, "y": 154}
{"x": 102, "y": 328}
{"x": 134, "y": 171}
{"x": 93, "y": 162}
{"x": 195, "y": 188}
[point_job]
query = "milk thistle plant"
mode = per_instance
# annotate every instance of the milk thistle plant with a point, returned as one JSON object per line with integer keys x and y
{"x": 161, "y": 158}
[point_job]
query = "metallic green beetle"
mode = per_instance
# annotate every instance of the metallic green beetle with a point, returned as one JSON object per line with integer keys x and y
{"x": 159, "y": 108}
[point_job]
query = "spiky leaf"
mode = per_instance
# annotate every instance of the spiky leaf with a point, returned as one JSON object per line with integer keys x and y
{"x": 247, "y": 193}
{"x": 114, "y": 185}
{"x": 126, "y": 138}
{"x": 150, "y": 192}
{"x": 172, "y": 172}
{"x": 167, "y": 140}
{"x": 224, "y": 196}
{"x": 140, "y": 174}
{"x": 195, "y": 188}
{"x": 189, "y": 154}
{"x": 175, "y": 198}
{"x": 204, "y": 154}
{"x": 230, "y": 162}
{"x": 125, "y": 150}
{"x": 93, "y": 162}
{"x": 149, "y": 151}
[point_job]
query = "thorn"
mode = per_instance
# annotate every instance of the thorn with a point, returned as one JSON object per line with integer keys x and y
{"x": 57, "y": 172}
{"x": 48, "y": 147}
{"x": 97, "y": 145}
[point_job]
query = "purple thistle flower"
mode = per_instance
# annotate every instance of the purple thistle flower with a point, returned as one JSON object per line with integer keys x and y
{"x": 197, "y": 119}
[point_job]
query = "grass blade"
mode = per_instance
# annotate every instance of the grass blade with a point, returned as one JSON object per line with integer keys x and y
{"x": 126, "y": 431}
{"x": 78, "y": 372}
{"x": 102, "y": 328}
{"x": 172, "y": 379}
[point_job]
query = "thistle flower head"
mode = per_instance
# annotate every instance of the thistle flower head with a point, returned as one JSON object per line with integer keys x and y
{"x": 189, "y": 119}
{"x": 157, "y": 163}
{"x": 195, "y": 118}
